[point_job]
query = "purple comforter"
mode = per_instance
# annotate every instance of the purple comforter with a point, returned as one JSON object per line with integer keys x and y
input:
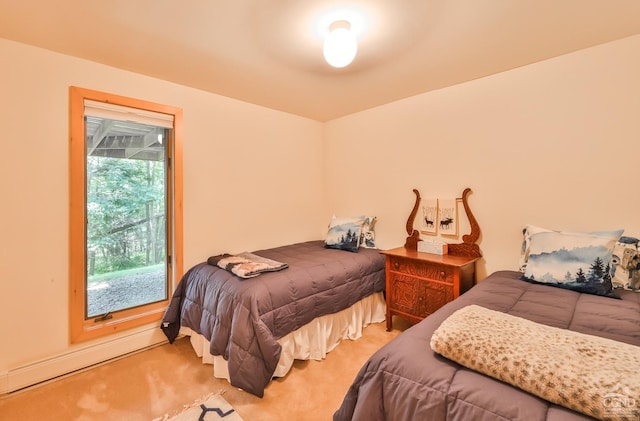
{"x": 406, "y": 380}
{"x": 244, "y": 318}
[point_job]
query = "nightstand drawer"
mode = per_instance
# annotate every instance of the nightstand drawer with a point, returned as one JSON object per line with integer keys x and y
{"x": 434, "y": 271}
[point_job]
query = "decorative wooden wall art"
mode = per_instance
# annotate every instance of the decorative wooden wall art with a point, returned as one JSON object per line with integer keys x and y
{"x": 468, "y": 247}
{"x": 414, "y": 234}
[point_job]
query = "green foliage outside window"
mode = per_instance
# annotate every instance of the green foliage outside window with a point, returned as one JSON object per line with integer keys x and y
{"x": 125, "y": 214}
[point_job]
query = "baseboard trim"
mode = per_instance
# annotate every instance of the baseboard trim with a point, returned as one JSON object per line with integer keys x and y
{"x": 4, "y": 381}
{"x": 66, "y": 363}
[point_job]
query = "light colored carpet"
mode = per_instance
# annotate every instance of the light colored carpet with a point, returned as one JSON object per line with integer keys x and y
{"x": 163, "y": 379}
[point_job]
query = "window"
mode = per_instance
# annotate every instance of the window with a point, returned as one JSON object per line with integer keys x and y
{"x": 125, "y": 213}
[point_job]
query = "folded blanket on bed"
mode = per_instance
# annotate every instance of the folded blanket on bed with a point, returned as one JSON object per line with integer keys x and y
{"x": 246, "y": 265}
{"x": 593, "y": 375}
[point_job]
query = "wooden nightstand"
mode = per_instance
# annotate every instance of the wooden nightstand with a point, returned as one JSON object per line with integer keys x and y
{"x": 419, "y": 283}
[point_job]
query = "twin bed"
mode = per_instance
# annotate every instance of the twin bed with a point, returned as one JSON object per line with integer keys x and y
{"x": 407, "y": 380}
{"x": 252, "y": 329}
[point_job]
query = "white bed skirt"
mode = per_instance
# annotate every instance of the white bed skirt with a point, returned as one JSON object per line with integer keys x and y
{"x": 312, "y": 341}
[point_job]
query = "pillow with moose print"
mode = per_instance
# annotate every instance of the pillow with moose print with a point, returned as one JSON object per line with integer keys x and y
{"x": 625, "y": 264}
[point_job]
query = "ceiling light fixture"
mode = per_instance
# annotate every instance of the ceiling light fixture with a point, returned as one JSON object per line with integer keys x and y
{"x": 340, "y": 46}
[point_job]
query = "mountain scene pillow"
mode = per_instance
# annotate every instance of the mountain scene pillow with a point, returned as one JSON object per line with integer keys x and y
{"x": 572, "y": 260}
{"x": 531, "y": 230}
{"x": 344, "y": 233}
{"x": 527, "y": 232}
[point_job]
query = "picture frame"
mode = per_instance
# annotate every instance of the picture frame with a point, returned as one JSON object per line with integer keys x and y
{"x": 448, "y": 216}
{"x": 429, "y": 217}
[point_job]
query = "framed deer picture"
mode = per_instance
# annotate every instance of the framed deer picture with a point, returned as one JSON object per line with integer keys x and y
{"x": 429, "y": 216}
{"x": 448, "y": 216}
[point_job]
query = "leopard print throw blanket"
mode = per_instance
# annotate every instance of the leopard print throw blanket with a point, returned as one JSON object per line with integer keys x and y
{"x": 582, "y": 372}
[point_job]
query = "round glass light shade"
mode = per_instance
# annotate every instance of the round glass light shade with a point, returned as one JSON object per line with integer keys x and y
{"x": 340, "y": 47}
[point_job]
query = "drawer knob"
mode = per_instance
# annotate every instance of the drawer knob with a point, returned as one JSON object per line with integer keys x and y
{"x": 396, "y": 265}
{"x": 443, "y": 275}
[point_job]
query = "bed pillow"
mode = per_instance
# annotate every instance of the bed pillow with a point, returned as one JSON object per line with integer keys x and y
{"x": 344, "y": 233}
{"x": 572, "y": 260}
{"x": 368, "y": 235}
{"x": 530, "y": 230}
{"x": 527, "y": 232}
{"x": 625, "y": 264}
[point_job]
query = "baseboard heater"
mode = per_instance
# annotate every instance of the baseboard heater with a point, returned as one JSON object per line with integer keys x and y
{"x": 69, "y": 362}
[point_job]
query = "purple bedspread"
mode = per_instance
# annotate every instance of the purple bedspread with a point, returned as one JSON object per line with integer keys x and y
{"x": 244, "y": 318}
{"x": 406, "y": 380}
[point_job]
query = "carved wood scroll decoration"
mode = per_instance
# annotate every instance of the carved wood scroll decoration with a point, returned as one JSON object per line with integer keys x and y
{"x": 414, "y": 235}
{"x": 468, "y": 247}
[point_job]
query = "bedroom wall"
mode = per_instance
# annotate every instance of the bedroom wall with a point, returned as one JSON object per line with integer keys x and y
{"x": 253, "y": 178}
{"x": 555, "y": 144}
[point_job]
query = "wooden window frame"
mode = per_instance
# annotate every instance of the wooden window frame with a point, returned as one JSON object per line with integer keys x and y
{"x": 82, "y": 329}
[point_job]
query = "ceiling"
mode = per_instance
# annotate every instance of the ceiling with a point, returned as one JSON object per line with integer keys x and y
{"x": 270, "y": 52}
